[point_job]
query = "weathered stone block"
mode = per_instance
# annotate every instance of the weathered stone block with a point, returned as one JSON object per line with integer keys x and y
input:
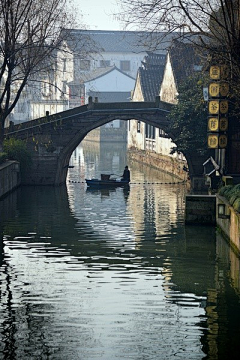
{"x": 200, "y": 209}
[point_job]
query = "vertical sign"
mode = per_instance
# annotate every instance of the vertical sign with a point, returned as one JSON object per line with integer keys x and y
{"x": 218, "y": 90}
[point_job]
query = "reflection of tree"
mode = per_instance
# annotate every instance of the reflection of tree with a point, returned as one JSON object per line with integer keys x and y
{"x": 19, "y": 324}
{"x": 47, "y": 210}
{"x": 9, "y": 322}
{"x": 9, "y": 311}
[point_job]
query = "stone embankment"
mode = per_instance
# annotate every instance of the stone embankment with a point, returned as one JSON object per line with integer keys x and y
{"x": 10, "y": 177}
{"x": 228, "y": 221}
{"x": 167, "y": 164}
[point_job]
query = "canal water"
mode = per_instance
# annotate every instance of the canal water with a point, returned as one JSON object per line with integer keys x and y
{"x": 113, "y": 274}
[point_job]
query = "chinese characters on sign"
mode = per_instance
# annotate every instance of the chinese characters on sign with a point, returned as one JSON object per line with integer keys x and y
{"x": 214, "y": 89}
{"x": 218, "y": 107}
{"x": 223, "y": 124}
{"x": 213, "y": 107}
{"x": 217, "y": 124}
{"x": 222, "y": 141}
{"x": 223, "y": 106}
{"x": 213, "y": 124}
{"x": 215, "y": 72}
{"x": 218, "y": 72}
{"x": 216, "y": 141}
{"x": 224, "y": 89}
{"x": 213, "y": 141}
{"x": 218, "y": 90}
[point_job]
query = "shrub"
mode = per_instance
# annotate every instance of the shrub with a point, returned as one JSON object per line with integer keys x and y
{"x": 236, "y": 204}
{"x": 226, "y": 191}
{"x": 3, "y": 157}
{"x": 233, "y": 197}
{"x": 232, "y": 194}
{"x": 17, "y": 150}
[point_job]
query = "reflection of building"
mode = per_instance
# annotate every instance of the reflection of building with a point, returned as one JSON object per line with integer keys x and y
{"x": 162, "y": 202}
{"x": 100, "y": 157}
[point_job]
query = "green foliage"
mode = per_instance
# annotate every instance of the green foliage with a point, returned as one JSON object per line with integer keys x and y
{"x": 3, "y": 157}
{"x": 226, "y": 191}
{"x": 188, "y": 118}
{"x": 17, "y": 150}
{"x": 232, "y": 194}
{"x": 236, "y": 205}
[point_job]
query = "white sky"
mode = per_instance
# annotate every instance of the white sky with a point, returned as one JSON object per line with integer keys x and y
{"x": 98, "y": 14}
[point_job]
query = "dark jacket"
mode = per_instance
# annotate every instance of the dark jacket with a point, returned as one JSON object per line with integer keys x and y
{"x": 126, "y": 175}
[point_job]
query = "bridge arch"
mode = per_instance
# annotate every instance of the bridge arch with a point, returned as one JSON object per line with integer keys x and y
{"x": 51, "y": 140}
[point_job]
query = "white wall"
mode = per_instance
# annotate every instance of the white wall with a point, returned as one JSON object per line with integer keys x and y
{"x": 112, "y": 81}
{"x": 168, "y": 92}
{"x": 115, "y": 60}
{"x": 136, "y": 129}
{"x": 137, "y": 139}
{"x": 40, "y": 109}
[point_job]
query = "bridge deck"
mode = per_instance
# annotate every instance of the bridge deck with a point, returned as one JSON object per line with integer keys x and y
{"x": 124, "y": 111}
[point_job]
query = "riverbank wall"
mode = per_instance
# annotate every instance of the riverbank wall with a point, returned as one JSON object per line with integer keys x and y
{"x": 228, "y": 222}
{"x": 200, "y": 210}
{"x": 167, "y": 164}
{"x": 10, "y": 177}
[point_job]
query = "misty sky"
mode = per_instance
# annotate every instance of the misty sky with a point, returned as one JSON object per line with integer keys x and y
{"x": 97, "y": 14}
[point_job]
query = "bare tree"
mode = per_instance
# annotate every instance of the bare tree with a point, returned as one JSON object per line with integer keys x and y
{"x": 29, "y": 36}
{"x": 211, "y": 24}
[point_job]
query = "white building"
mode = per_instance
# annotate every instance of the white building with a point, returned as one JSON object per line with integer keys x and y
{"x": 83, "y": 53}
{"x": 143, "y": 136}
{"x": 149, "y": 144}
{"x": 109, "y": 85}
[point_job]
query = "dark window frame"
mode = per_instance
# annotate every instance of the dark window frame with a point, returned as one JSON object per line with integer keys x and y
{"x": 125, "y": 65}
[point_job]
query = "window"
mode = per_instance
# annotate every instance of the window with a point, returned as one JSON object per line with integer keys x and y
{"x": 64, "y": 87}
{"x": 84, "y": 65}
{"x": 161, "y": 133}
{"x": 64, "y": 64}
{"x": 104, "y": 63}
{"x": 139, "y": 126}
{"x": 125, "y": 65}
{"x": 149, "y": 131}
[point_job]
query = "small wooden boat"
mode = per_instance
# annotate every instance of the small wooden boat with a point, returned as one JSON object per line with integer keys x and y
{"x": 106, "y": 182}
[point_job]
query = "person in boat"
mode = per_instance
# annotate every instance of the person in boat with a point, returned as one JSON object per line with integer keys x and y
{"x": 126, "y": 174}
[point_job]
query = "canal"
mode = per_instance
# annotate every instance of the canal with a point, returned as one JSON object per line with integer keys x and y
{"x": 113, "y": 274}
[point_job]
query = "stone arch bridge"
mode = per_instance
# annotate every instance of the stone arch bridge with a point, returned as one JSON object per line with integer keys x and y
{"x": 52, "y": 139}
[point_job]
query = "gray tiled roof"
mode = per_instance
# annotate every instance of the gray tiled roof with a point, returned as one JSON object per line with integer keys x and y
{"x": 153, "y": 59}
{"x": 113, "y": 96}
{"x": 98, "y": 72}
{"x": 150, "y": 82}
{"x": 118, "y": 41}
{"x": 151, "y": 75}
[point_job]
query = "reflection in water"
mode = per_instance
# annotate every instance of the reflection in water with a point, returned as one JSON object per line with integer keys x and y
{"x": 113, "y": 274}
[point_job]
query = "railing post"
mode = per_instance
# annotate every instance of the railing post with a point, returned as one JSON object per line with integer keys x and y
{"x": 90, "y": 102}
{"x": 157, "y": 101}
